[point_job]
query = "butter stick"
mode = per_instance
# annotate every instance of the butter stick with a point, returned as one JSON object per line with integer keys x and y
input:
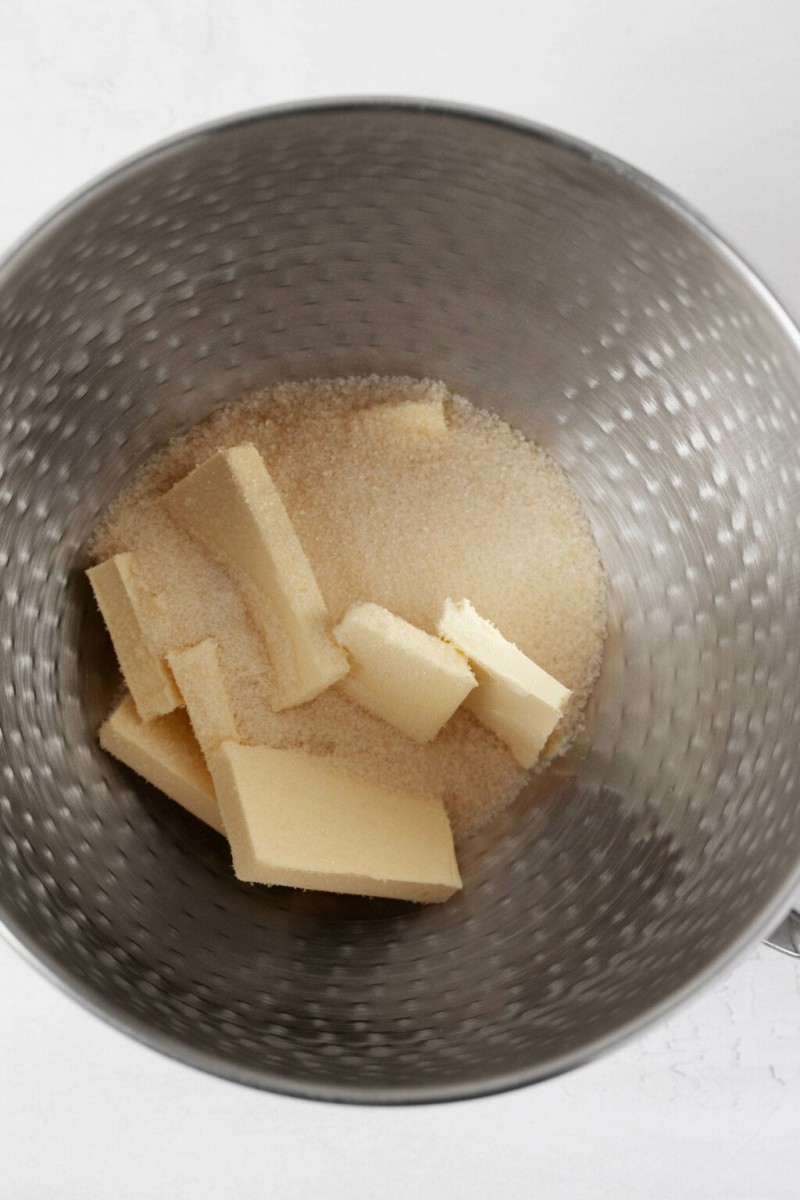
{"x": 164, "y": 752}
{"x": 127, "y": 609}
{"x": 514, "y": 698}
{"x": 296, "y": 819}
{"x": 198, "y": 674}
{"x": 401, "y": 674}
{"x": 420, "y": 418}
{"x": 230, "y": 504}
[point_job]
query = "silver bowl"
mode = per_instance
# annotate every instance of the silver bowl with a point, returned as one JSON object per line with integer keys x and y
{"x": 592, "y": 310}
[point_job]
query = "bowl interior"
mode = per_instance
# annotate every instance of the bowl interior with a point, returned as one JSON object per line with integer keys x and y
{"x": 591, "y": 312}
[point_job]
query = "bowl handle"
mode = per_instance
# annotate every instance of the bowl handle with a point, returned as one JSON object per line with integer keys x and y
{"x": 787, "y": 936}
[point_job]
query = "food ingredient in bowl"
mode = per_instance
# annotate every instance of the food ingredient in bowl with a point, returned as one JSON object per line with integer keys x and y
{"x": 198, "y": 673}
{"x": 128, "y": 611}
{"x": 515, "y": 698}
{"x": 405, "y": 676}
{"x": 398, "y": 520}
{"x": 296, "y": 819}
{"x": 164, "y": 752}
{"x": 231, "y": 505}
{"x": 414, "y": 418}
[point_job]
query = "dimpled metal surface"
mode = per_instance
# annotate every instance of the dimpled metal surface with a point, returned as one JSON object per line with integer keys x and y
{"x": 589, "y": 309}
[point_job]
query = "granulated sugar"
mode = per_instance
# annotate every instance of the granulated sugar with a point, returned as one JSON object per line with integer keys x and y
{"x": 403, "y": 520}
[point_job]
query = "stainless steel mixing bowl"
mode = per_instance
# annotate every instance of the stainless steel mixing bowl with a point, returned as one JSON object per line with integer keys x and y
{"x": 593, "y": 311}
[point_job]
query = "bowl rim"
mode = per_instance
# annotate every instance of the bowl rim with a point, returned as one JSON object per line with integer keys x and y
{"x": 760, "y": 924}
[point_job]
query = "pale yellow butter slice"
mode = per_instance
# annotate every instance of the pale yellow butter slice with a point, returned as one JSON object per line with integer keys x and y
{"x": 198, "y": 674}
{"x": 230, "y": 504}
{"x": 127, "y": 610}
{"x": 164, "y": 752}
{"x": 295, "y": 819}
{"x": 514, "y": 698}
{"x": 401, "y": 674}
{"x": 423, "y": 418}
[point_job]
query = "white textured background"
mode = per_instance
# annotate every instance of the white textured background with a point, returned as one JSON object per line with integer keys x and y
{"x": 706, "y": 96}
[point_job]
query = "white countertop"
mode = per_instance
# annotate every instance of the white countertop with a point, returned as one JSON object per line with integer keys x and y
{"x": 706, "y": 96}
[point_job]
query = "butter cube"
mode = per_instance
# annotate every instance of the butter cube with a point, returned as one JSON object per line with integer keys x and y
{"x": 230, "y": 504}
{"x": 401, "y": 674}
{"x": 514, "y": 698}
{"x": 199, "y": 676}
{"x": 296, "y": 820}
{"x": 164, "y": 752}
{"x": 423, "y": 418}
{"x": 127, "y": 608}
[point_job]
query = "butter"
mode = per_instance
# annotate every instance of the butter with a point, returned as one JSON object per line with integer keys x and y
{"x": 198, "y": 674}
{"x": 514, "y": 698}
{"x": 230, "y": 504}
{"x": 127, "y": 609}
{"x": 401, "y": 674}
{"x": 423, "y": 418}
{"x": 164, "y": 752}
{"x": 295, "y": 819}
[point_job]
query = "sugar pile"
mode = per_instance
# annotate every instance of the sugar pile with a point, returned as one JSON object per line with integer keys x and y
{"x": 404, "y": 521}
